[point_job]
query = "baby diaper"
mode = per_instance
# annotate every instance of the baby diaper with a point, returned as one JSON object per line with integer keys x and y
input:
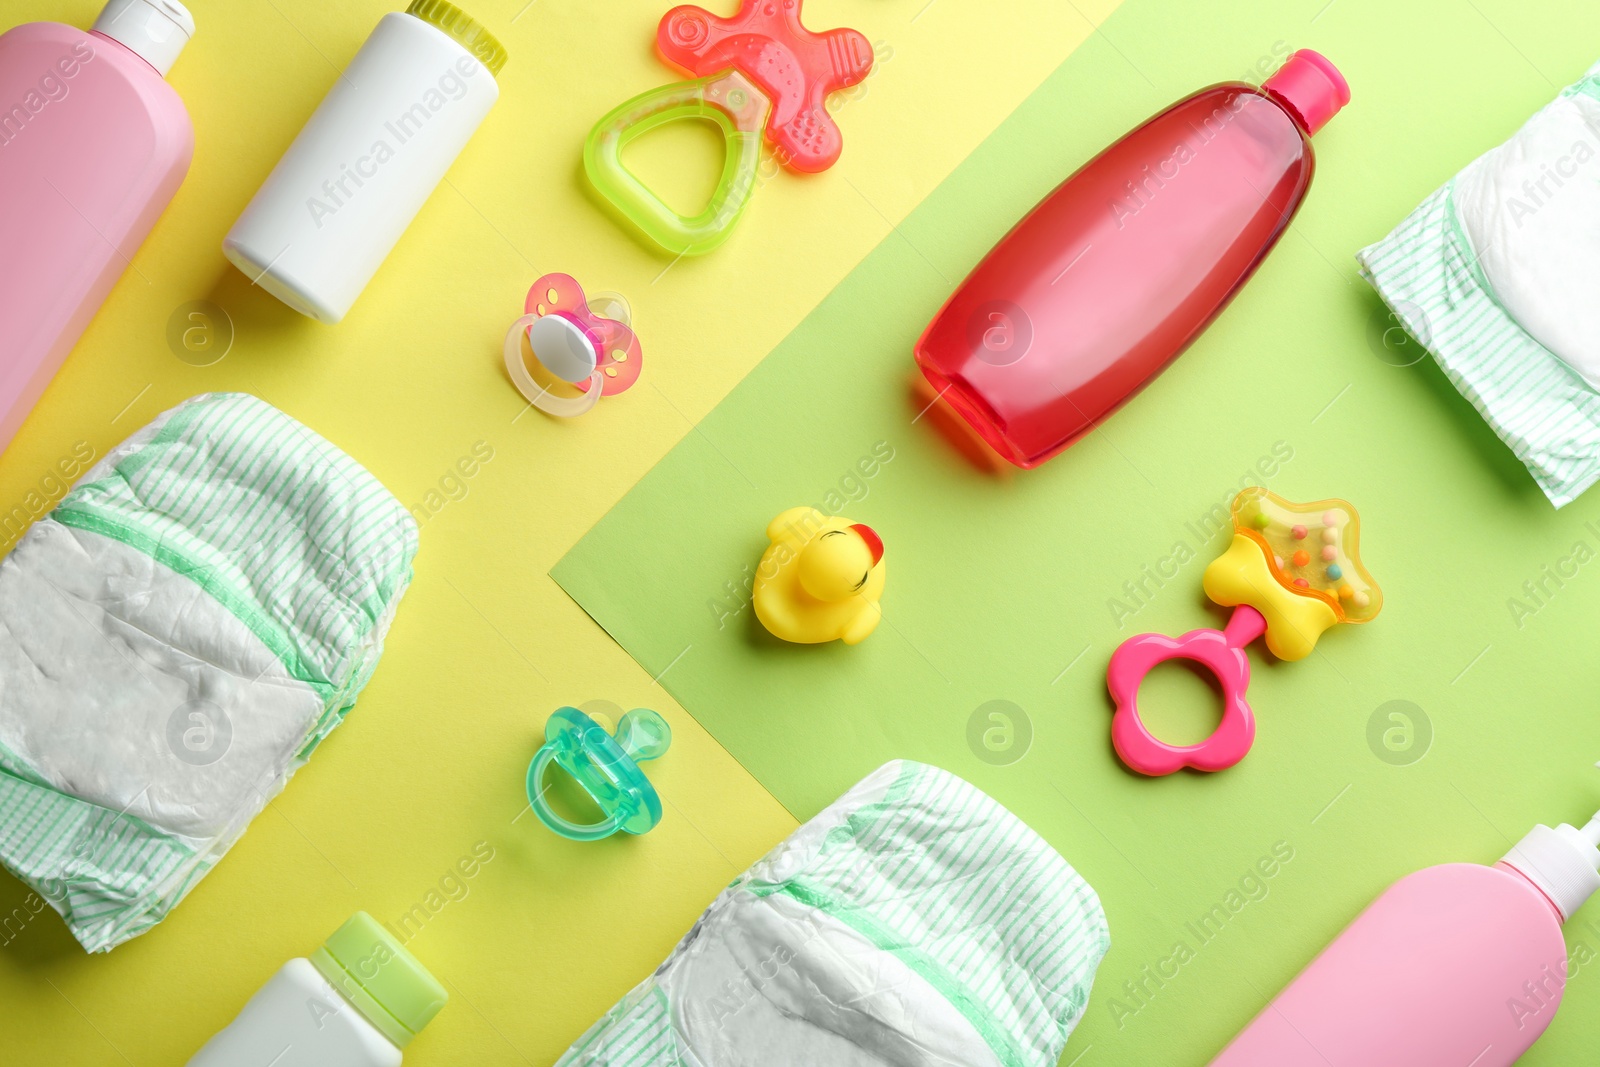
{"x": 175, "y": 639}
{"x": 914, "y": 923}
{"x": 1496, "y": 275}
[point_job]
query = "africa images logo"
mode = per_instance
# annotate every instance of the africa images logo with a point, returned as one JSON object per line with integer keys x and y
{"x": 52, "y": 88}
{"x": 450, "y": 87}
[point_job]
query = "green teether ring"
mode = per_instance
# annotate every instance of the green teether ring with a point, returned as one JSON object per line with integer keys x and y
{"x": 727, "y": 99}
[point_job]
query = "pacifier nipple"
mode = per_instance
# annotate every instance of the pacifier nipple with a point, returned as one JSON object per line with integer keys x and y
{"x": 644, "y": 734}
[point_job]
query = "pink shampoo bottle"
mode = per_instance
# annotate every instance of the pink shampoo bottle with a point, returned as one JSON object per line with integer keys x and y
{"x": 93, "y": 145}
{"x": 1454, "y": 965}
{"x": 1117, "y": 271}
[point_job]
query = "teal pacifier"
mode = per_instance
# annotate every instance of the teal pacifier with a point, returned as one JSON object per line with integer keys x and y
{"x": 606, "y": 767}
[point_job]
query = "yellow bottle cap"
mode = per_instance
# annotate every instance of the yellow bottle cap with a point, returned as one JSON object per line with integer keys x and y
{"x": 383, "y": 981}
{"x": 464, "y": 28}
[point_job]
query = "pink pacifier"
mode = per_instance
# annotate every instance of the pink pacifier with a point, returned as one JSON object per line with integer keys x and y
{"x": 1290, "y": 572}
{"x": 571, "y": 342}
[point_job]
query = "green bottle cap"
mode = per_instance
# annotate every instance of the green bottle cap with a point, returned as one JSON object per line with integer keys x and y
{"x": 464, "y": 28}
{"x": 384, "y": 982}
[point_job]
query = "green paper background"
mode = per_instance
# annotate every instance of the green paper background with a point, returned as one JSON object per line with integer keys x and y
{"x": 1002, "y": 587}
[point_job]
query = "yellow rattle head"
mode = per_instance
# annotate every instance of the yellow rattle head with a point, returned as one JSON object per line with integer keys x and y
{"x": 1297, "y": 564}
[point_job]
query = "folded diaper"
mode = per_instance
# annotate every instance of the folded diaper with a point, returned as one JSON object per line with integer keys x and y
{"x": 914, "y": 922}
{"x": 1496, "y": 275}
{"x": 175, "y": 638}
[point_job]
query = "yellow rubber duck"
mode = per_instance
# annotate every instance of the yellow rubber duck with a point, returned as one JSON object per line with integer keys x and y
{"x": 820, "y": 579}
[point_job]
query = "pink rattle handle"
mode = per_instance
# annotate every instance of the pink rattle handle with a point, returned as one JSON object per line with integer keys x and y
{"x": 1221, "y": 651}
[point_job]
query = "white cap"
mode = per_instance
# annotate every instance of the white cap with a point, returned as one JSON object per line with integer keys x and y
{"x": 564, "y": 348}
{"x": 1564, "y": 863}
{"x": 156, "y": 30}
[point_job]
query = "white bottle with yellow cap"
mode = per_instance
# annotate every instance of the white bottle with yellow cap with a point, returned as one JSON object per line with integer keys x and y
{"x": 356, "y": 1002}
{"x": 368, "y": 158}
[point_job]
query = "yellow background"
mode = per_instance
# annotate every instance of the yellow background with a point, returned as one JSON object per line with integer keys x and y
{"x": 430, "y": 763}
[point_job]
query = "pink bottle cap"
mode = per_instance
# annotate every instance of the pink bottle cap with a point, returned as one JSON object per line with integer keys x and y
{"x": 1312, "y": 87}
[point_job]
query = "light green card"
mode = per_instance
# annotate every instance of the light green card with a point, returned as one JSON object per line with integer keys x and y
{"x": 1442, "y": 731}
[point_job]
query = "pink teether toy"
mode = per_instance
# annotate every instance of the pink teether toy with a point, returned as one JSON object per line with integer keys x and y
{"x": 794, "y": 68}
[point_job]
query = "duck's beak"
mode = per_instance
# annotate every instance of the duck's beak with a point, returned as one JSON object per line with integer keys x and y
{"x": 874, "y": 542}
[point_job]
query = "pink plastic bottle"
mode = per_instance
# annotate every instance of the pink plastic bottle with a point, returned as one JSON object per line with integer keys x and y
{"x": 1114, "y": 273}
{"x": 93, "y": 145}
{"x": 1455, "y": 965}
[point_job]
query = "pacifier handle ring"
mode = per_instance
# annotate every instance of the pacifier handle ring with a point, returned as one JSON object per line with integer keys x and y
{"x": 536, "y": 394}
{"x": 1219, "y": 651}
{"x": 549, "y": 816}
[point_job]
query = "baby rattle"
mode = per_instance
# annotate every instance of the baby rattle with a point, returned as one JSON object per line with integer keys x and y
{"x": 1291, "y": 572}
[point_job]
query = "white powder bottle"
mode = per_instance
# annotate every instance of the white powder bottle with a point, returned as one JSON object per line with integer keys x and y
{"x": 368, "y": 158}
{"x": 356, "y": 1002}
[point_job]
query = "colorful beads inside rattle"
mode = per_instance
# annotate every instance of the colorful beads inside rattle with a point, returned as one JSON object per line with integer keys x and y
{"x": 1285, "y": 530}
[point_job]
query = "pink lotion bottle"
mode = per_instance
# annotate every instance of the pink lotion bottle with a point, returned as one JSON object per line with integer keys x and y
{"x": 1454, "y": 965}
{"x": 93, "y": 145}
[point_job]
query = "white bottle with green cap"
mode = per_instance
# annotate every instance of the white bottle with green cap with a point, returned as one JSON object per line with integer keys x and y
{"x": 356, "y": 1002}
{"x": 370, "y": 155}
